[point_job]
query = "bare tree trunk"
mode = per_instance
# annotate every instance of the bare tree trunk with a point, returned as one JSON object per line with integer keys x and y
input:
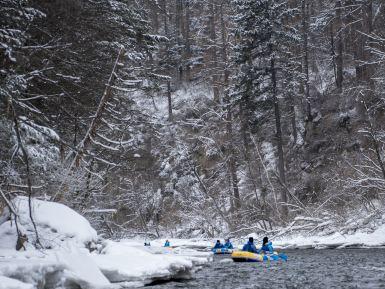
{"x": 232, "y": 160}
{"x": 12, "y": 212}
{"x": 375, "y": 143}
{"x": 213, "y": 52}
{"x": 339, "y": 46}
{"x": 245, "y": 129}
{"x": 83, "y": 145}
{"x": 166, "y": 32}
{"x": 293, "y": 119}
{"x": 76, "y": 129}
{"x": 28, "y": 171}
{"x": 279, "y": 142}
{"x": 367, "y": 29}
{"x": 362, "y": 28}
{"x": 187, "y": 41}
{"x": 333, "y": 52}
{"x": 169, "y": 101}
{"x": 178, "y": 32}
{"x": 305, "y": 48}
{"x": 378, "y": 151}
{"x": 229, "y": 118}
{"x": 226, "y": 72}
{"x": 362, "y": 59}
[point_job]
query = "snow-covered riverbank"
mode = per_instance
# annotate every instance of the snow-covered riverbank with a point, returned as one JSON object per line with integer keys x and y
{"x": 74, "y": 257}
{"x": 359, "y": 239}
{"x": 361, "y": 231}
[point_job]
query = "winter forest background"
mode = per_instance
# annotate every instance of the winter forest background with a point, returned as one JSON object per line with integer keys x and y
{"x": 195, "y": 118}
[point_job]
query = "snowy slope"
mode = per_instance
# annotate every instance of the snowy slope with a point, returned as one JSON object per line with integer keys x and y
{"x": 66, "y": 263}
{"x": 56, "y": 223}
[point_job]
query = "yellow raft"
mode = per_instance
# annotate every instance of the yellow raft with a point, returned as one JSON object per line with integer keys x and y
{"x": 243, "y": 256}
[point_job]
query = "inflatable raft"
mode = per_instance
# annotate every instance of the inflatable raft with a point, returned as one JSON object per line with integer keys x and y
{"x": 242, "y": 256}
{"x": 220, "y": 251}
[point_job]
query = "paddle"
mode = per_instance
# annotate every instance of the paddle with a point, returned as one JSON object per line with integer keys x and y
{"x": 282, "y": 256}
{"x": 275, "y": 257}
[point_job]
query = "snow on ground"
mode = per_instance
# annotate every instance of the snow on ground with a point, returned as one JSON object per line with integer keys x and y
{"x": 56, "y": 223}
{"x": 362, "y": 230}
{"x": 145, "y": 264}
{"x": 53, "y": 268}
{"x": 359, "y": 231}
{"x": 358, "y": 239}
{"x": 64, "y": 262}
{"x": 360, "y": 235}
{"x": 182, "y": 98}
{"x": 194, "y": 243}
{"x": 9, "y": 283}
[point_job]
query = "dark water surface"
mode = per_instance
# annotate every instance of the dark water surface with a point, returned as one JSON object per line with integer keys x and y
{"x": 346, "y": 268}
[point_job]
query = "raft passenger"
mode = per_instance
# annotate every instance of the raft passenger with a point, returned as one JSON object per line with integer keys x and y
{"x": 249, "y": 246}
{"x": 267, "y": 247}
{"x": 167, "y": 243}
{"x": 218, "y": 245}
{"x": 228, "y": 244}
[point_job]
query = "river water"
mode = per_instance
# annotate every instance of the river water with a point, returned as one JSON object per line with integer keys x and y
{"x": 345, "y": 268}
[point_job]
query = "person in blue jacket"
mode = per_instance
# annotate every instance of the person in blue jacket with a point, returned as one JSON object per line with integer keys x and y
{"x": 218, "y": 245}
{"x": 249, "y": 246}
{"x": 267, "y": 247}
{"x": 167, "y": 243}
{"x": 228, "y": 244}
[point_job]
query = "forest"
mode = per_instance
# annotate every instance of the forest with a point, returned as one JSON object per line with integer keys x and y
{"x": 195, "y": 118}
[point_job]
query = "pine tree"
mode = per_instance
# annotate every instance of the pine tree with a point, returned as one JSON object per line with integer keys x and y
{"x": 263, "y": 56}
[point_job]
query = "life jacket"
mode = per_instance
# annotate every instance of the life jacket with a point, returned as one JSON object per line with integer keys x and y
{"x": 228, "y": 245}
{"x": 250, "y": 247}
{"x": 218, "y": 246}
{"x": 268, "y": 248}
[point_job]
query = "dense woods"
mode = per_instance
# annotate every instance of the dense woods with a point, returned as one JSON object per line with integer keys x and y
{"x": 190, "y": 117}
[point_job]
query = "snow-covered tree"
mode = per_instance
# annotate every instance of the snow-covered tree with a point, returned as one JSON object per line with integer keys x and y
{"x": 263, "y": 55}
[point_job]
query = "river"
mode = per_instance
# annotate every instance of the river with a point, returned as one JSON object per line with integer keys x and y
{"x": 343, "y": 268}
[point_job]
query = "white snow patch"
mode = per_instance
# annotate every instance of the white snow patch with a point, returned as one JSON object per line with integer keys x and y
{"x": 39, "y": 142}
{"x": 127, "y": 262}
{"x": 268, "y": 153}
{"x": 82, "y": 269}
{"x": 335, "y": 240}
{"x": 55, "y": 268}
{"x": 9, "y": 283}
{"x": 32, "y": 270}
{"x": 55, "y": 222}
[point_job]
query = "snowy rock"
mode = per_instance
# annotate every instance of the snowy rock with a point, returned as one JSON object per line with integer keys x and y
{"x": 81, "y": 269}
{"x": 9, "y": 283}
{"x": 53, "y": 269}
{"x": 122, "y": 262}
{"x": 32, "y": 271}
{"x": 66, "y": 265}
{"x": 55, "y": 223}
